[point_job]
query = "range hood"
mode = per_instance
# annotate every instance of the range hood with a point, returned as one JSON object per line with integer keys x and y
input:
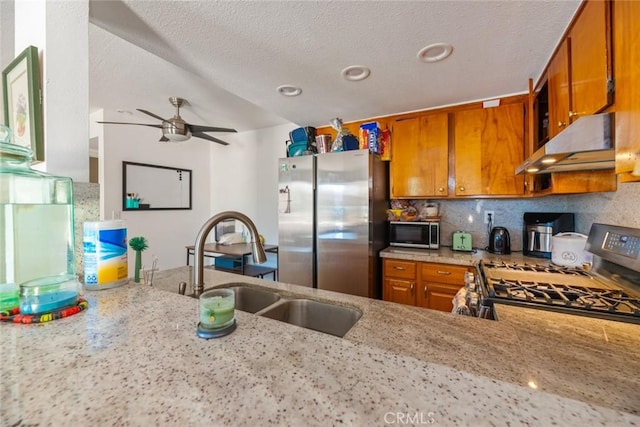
{"x": 587, "y": 144}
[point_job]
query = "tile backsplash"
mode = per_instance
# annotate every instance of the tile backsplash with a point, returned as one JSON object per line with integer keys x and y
{"x": 620, "y": 208}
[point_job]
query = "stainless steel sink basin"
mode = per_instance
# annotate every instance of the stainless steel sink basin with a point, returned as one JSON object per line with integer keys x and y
{"x": 328, "y": 318}
{"x": 251, "y": 299}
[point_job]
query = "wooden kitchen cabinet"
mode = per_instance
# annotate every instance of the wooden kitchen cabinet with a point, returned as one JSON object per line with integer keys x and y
{"x": 399, "y": 281}
{"x": 423, "y": 284}
{"x": 574, "y": 182}
{"x": 627, "y": 74}
{"x": 591, "y": 64}
{"x": 578, "y": 83}
{"x": 440, "y": 283}
{"x": 488, "y": 145}
{"x": 579, "y": 73}
{"x": 419, "y": 156}
{"x": 558, "y": 90}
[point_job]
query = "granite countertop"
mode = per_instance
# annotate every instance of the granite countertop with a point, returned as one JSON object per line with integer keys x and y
{"x": 447, "y": 256}
{"x": 133, "y": 358}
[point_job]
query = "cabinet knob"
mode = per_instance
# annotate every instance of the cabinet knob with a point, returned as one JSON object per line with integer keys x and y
{"x": 561, "y": 124}
{"x": 425, "y": 290}
{"x": 446, "y": 273}
{"x": 461, "y": 188}
{"x": 441, "y": 189}
{"x": 573, "y": 114}
{"x": 398, "y": 267}
{"x": 413, "y": 285}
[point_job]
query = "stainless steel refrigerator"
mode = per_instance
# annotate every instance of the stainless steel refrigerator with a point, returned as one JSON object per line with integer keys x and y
{"x": 332, "y": 221}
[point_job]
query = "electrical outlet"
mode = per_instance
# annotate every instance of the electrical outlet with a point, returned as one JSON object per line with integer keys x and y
{"x": 488, "y": 214}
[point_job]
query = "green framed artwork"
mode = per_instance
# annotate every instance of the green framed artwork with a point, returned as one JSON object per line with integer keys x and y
{"x": 23, "y": 103}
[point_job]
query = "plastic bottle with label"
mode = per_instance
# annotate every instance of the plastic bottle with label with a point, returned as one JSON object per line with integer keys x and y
{"x": 105, "y": 254}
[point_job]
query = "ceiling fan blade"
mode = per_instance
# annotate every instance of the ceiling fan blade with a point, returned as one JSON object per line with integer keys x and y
{"x": 137, "y": 124}
{"x": 208, "y": 138}
{"x": 149, "y": 113}
{"x": 198, "y": 128}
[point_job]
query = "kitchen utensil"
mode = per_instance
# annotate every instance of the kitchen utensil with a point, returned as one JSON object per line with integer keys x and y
{"x": 462, "y": 241}
{"x": 567, "y": 249}
{"x": 499, "y": 241}
{"x": 297, "y": 149}
{"x": 538, "y": 229}
{"x": 323, "y": 143}
{"x": 432, "y": 209}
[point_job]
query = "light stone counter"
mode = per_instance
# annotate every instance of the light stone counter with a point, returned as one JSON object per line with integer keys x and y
{"x": 133, "y": 358}
{"x": 448, "y": 256}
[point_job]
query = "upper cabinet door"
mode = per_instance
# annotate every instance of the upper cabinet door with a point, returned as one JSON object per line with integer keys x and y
{"x": 590, "y": 42}
{"x": 558, "y": 83}
{"x": 489, "y": 144}
{"x": 627, "y": 73}
{"x": 419, "y": 157}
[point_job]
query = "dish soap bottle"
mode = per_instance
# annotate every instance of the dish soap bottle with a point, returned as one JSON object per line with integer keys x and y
{"x": 36, "y": 220}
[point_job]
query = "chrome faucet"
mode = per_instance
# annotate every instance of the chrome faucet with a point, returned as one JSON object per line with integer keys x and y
{"x": 257, "y": 249}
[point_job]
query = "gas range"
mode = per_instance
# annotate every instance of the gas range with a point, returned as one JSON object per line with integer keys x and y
{"x": 609, "y": 290}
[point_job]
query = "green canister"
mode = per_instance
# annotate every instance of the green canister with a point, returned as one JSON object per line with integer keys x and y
{"x": 36, "y": 220}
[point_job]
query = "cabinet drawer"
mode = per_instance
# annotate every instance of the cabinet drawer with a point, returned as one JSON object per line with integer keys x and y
{"x": 400, "y": 269}
{"x": 444, "y": 273}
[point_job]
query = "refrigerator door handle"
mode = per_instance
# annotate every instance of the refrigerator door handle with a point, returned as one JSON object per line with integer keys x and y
{"x": 284, "y": 200}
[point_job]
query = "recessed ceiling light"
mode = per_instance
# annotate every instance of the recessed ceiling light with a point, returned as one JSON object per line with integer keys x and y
{"x": 289, "y": 90}
{"x": 548, "y": 161}
{"x": 356, "y": 73}
{"x": 435, "y": 52}
{"x": 532, "y": 170}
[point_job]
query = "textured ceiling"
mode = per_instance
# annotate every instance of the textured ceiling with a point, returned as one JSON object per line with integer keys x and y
{"x": 228, "y": 57}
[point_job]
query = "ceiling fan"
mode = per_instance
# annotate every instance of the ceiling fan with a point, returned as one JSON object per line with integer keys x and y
{"x": 177, "y": 130}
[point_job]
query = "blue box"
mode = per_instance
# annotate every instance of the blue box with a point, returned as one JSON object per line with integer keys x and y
{"x": 227, "y": 262}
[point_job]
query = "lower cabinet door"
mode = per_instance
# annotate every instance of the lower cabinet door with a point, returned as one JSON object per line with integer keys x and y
{"x": 440, "y": 297}
{"x": 422, "y": 295}
{"x": 400, "y": 291}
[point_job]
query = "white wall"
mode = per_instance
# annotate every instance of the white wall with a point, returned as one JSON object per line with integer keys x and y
{"x": 167, "y": 231}
{"x": 7, "y": 37}
{"x": 241, "y": 176}
{"x": 261, "y": 150}
{"x": 60, "y": 32}
{"x": 66, "y": 89}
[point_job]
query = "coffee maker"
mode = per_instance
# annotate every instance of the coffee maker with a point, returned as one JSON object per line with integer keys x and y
{"x": 538, "y": 229}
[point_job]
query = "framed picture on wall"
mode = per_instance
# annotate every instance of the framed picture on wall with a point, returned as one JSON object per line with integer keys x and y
{"x": 23, "y": 103}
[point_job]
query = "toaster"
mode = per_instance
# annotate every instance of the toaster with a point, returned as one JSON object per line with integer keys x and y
{"x": 462, "y": 241}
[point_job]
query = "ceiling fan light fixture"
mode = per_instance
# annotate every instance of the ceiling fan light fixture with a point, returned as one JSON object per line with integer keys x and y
{"x": 176, "y": 137}
{"x": 289, "y": 90}
{"x": 355, "y": 73}
{"x": 435, "y": 52}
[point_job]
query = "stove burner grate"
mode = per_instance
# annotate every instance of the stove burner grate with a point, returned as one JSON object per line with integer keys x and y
{"x": 572, "y": 271}
{"x": 553, "y": 294}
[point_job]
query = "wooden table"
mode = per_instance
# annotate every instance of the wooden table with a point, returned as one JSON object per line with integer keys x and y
{"x": 240, "y": 251}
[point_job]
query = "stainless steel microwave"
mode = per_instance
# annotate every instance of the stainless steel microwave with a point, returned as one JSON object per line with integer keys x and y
{"x": 414, "y": 234}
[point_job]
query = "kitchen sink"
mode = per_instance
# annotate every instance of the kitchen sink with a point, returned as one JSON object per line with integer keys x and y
{"x": 328, "y": 318}
{"x": 252, "y": 300}
{"x": 319, "y": 316}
